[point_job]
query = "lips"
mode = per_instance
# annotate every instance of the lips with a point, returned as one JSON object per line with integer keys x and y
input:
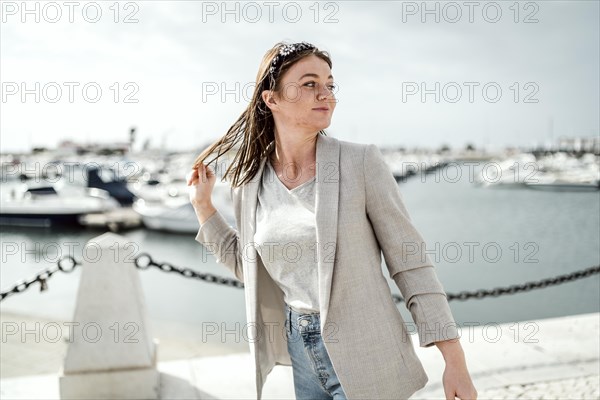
{"x": 321, "y": 109}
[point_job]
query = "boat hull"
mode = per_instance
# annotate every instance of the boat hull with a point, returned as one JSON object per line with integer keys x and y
{"x": 40, "y": 221}
{"x": 564, "y": 187}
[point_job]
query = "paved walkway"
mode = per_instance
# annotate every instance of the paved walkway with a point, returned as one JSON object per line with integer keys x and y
{"x": 585, "y": 387}
{"x": 557, "y": 358}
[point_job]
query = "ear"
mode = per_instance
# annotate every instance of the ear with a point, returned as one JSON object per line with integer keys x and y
{"x": 269, "y": 99}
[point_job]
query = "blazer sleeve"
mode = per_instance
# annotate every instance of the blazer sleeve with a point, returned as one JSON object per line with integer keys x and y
{"x": 403, "y": 249}
{"x": 222, "y": 240}
{"x": 430, "y": 311}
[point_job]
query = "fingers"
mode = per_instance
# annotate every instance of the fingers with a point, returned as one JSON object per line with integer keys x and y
{"x": 202, "y": 172}
{"x": 191, "y": 176}
{"x": 449, "y": 393}
{"x": 209, "y": 171}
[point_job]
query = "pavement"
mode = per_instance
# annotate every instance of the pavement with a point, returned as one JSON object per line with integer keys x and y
{"x": 554, "y": 358}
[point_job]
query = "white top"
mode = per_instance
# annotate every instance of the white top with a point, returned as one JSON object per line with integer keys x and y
{"x": 286, "y": 238}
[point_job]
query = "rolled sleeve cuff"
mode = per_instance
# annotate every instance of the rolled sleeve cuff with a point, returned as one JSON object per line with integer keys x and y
{"x": 433, "y": 317}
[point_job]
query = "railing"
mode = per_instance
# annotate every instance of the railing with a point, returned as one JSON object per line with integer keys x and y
{"x": 145, "y": 261}
{"x": 110, "y": 299}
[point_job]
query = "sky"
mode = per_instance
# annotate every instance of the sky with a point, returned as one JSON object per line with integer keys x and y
{"x": 490, "y": 74}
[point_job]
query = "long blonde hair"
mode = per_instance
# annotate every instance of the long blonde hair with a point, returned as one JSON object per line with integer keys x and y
{"x": 255, "y": 127}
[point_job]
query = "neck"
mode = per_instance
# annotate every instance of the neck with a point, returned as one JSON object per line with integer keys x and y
{"x": 293, "y": 152}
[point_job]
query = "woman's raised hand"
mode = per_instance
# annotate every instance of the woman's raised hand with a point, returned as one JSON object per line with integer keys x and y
{"x": 201, "y": 181}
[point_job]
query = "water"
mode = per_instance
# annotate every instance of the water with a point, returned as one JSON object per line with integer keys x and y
{"x": 478, "y": 238}
{"x": 539, "y": 234}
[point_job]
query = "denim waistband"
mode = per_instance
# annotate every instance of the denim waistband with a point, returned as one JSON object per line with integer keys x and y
{"x": 303, "y": 322}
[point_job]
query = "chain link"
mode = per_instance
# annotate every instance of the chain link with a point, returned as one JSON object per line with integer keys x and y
{"x": 143, "y": 261}
{"x": 512, "y": 289}
{"x": 65, "y": 264}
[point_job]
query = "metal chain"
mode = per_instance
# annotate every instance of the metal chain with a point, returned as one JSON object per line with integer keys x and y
{"x": 464, "y": 295}
{"x": 65, "y": 264}
{"x": 144, "y": 261}
{"x": 512, "y": 289}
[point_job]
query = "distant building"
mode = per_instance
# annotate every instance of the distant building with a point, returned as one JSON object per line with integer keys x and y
{"x": 590, "y": 144}
{"x": 115, "y": 148}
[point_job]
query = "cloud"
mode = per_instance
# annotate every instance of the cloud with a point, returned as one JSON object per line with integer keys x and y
{"x": 177, "y": 48}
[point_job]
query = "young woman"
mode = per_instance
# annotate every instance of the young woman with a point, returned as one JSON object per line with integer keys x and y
{"x": 313, "y": 216}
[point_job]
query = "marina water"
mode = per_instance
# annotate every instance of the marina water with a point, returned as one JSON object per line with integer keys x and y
{"x": 477, "y": 237}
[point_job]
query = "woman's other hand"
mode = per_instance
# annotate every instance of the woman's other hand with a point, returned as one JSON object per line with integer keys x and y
{"x": 201, "y": 181}
{"x": 457, "y": 382}
{"x": 456, "y": 379}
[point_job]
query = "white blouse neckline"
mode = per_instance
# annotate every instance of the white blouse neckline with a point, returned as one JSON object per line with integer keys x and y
{"x": 283, "y": 185}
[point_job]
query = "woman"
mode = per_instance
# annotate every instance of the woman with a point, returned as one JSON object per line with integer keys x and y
{"x": 324, "y": 307}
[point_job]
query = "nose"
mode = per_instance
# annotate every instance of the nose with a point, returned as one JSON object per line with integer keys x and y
{"x": 324, "y": 93}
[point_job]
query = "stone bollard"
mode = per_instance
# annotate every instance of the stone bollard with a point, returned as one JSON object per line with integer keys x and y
{"x": 110, "y": 353}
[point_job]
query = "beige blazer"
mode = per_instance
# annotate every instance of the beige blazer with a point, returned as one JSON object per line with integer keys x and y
{"x": 359, "y": 214}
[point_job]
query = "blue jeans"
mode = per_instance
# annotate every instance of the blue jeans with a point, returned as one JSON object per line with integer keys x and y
{"x": 314, "y": 376}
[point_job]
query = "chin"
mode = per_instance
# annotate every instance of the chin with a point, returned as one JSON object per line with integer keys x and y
{"x": 323, "y": 125}
{"x": 318, "y": 125}
{"x": 320, "y": 128}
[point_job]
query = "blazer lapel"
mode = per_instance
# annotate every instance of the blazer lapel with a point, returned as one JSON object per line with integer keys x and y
{"x": 326, "y": 216}
{"x": 249, "y": 199}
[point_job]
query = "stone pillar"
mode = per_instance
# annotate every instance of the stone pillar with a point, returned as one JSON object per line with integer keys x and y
{"x": 111, "y": 353}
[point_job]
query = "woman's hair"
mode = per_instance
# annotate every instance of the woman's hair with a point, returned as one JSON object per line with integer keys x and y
{"x": 255, "y": 127}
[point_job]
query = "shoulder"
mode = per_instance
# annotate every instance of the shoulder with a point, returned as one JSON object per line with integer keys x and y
{"x": 353, "y": 146}
{"x": 356, "y": 159}
{"x": 366, "y": 159}
{"x": 352, "y": 149}
{"x": 359, "y": 152}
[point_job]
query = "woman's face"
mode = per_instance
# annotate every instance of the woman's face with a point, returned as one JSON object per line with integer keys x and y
{"x": 305, "y": 100}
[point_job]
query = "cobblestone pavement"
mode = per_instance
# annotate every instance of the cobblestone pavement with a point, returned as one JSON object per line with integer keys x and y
{"x": 586, "y": 387}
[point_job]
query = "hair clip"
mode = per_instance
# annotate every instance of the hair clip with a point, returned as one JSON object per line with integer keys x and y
{"x": 284, "y": 52}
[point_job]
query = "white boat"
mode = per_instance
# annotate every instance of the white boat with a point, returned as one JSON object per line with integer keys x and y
{"x": 161, "y": 210}
{"x": 555, "y": 172}
{"x": 153, "y": 190}
{"x": 564, "y": 182}
{"x": 511, "y": 173}
{"x": 567, "y": 174}
{"x": 45, "y": 206}
{"x": 178, "y": 216}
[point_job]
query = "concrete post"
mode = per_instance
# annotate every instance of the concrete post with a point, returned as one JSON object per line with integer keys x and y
{"x": 111, "y": 353}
